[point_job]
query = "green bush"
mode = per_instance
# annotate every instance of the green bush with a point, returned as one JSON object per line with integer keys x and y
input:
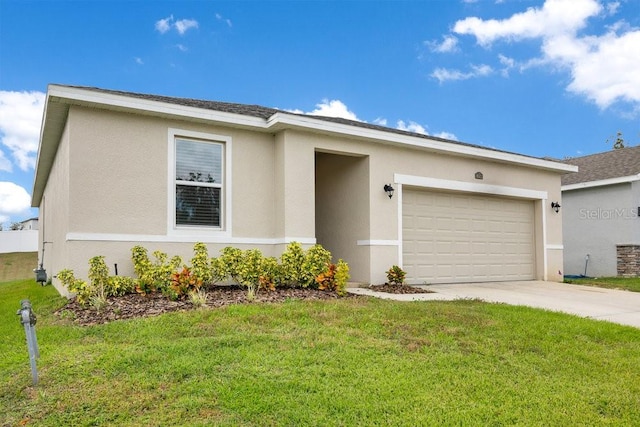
{"x": 77, "y": 286}
{"x": 316, "y": 260}
{"x": 99, "y": 277}
{"x": 291, "y": 261}
{"x": 228, "y": 264}
{"x": 200, "y": 267}
{"x": 153, "y": 276}
{"x": 395, "y": 275}
{"x": 342, "y": 277}
{"x": 120, "y": 285}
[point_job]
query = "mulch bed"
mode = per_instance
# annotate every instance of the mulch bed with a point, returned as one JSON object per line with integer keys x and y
{"x": 398, "y": 289}
{"x": 136, "y": 305}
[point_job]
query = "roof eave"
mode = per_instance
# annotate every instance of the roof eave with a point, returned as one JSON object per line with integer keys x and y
{"x": 60, "y": 98}
{"x": 601, "y": 182}
{"x": 282, "y": 120}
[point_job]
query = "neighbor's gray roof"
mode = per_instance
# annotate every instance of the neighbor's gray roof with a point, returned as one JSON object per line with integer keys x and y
{"x": 610, "y": 164}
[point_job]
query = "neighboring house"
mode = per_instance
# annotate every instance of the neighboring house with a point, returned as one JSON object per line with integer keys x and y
{"x": 600, "y": 206}
{"x": 117, "y": 169}
{"x": 29, "y": 224}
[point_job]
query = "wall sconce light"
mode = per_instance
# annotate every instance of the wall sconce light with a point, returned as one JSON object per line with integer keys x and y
{"x": 479, "y": 175}
{"x": 389, "y": 190}
{"x": 555, "y": 206}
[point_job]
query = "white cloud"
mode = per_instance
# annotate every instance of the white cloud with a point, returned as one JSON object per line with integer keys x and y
{"x": 446, "y": 135}
{"x": 612, "y": 8}
{"x": 334, "y": 108}
{"x": 507, "y": 63}
{"x": 138, "y": 60}
{"x": 448, "y": 44}
{"x": 443, "y": 74}
{"x": 225, "y": 20}
{"x": 164, "y": 25}
{"x": 20, "y": 119}
{"x": 182, "y": 48}
{"x": 14, "y": 200}
{"x": 184, "y": 25}
{"x": 411, "y": 127}
{"x": 603, "y": 68}
{"x": 554, "y": 18}
{"x": 181, "y": 26}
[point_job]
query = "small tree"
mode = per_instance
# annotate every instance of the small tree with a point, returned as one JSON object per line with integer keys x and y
{"x": 619, "y": 142}
{"x": 16, "y": 226}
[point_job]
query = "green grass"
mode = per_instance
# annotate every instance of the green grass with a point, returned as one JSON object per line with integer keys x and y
{"x": 625, "y": 283}
{"x": 17, "y": 265}
{"x": 344, "y": 362}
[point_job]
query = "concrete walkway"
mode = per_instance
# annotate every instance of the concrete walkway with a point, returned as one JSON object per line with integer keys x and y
{"x": 621, "y": 307}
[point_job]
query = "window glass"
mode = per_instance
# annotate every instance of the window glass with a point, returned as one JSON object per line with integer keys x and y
{"x": 198, "y": 161}
{"x": 198, "y": 183}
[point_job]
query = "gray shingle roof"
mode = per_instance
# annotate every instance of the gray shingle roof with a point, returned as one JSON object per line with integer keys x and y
{"x": 607, "y": 165}
{"x": 265, "y": 113}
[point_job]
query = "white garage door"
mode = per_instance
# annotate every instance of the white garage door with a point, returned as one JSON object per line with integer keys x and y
{"x": 458, "y": 237}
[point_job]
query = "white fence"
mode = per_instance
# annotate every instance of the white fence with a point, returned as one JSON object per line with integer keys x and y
{"x": 18, "y": 241}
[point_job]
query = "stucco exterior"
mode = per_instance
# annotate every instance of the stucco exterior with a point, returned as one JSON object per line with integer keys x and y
{"x": 104, "y": 184}
{"x": 595, "y": 220}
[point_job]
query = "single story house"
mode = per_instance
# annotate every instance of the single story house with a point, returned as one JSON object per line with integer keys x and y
{"x": 600, "y": 212}
{"x": 117, "y": 169}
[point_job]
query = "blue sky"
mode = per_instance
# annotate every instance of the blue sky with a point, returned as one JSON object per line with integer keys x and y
{"x": 539, "y": 77}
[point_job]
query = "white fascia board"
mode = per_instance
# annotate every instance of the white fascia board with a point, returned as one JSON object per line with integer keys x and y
{"x": 601, "y": 183}
{"x": 158, "y": 107}
{"x": 470, "y": 187}
{"x": 283, "y": 118}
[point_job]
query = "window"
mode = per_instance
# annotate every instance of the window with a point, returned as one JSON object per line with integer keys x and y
{"x": 198, "y": 183}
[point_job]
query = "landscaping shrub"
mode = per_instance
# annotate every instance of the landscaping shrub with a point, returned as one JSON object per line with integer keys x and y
{"x": 183, "y": 282}
{"x": 200, "y": 266}
{"x": 120, "y": 285}
{"x": 395, "y": 275}
{"x": 228, "y": 264}
{"x": 153, "y": 276}
{"x": 76, "y": 286}
{"x": 249, "y": 268}
{"x": 316, "y": 260}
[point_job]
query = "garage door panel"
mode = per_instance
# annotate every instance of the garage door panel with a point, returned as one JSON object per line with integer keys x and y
{"x": 456, "y": 237}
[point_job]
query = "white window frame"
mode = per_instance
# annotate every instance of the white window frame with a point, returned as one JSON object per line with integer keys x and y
{"x": 174, "y": 229}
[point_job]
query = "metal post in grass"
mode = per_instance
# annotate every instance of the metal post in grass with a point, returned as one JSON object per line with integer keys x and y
{"x": 28, "y": 320}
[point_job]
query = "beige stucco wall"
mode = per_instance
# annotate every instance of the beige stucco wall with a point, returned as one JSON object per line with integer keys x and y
{"x": 387, "y": 160}
{"x": 54, "y": 214}
{"x": 342, "y": 208}
{"x": 111, "y": 177}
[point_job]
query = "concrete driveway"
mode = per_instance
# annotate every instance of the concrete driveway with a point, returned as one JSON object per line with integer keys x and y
{"x": 621, "y": 307}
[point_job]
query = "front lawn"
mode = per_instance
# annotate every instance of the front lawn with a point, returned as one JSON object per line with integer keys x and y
{"x": 624, "y": 283}
{"x": 355, "y": 361}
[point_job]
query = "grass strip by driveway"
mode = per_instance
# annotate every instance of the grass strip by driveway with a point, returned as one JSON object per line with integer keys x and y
{"x": 344, "y": 362}
{"x": 624, "y": 283}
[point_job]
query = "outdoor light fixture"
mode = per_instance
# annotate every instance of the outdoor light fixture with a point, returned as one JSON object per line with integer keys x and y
{"x": 389, "y": 190}
{"x": 555, "y": 206}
